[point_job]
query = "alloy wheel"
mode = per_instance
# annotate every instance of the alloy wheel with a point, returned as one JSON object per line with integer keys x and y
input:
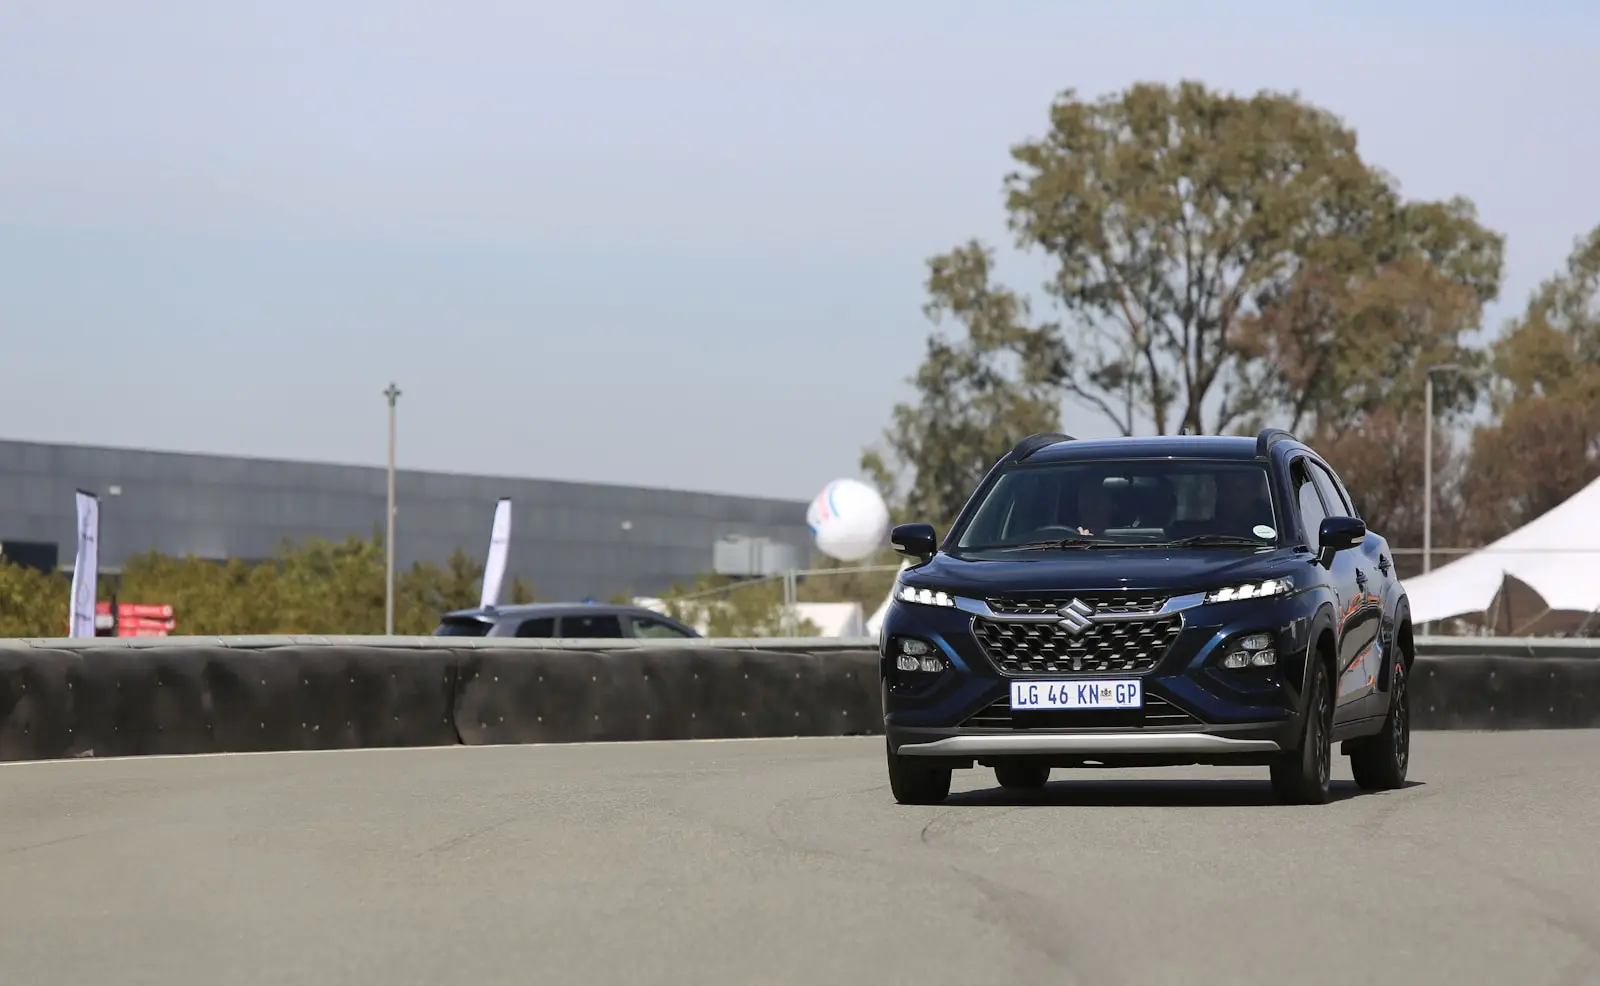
{"x": 1401, "y": 724}
{"x": 1324, "y": 748}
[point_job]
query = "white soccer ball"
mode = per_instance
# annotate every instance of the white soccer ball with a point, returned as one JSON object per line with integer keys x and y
{"x": 848, "y": 519}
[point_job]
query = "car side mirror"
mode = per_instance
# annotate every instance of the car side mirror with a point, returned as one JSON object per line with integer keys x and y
{"x": 1338, "y": 534}
{"x": 916, "y": 541}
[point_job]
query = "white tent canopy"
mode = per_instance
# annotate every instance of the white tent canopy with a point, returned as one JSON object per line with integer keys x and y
{"x": 1543, "y": 578}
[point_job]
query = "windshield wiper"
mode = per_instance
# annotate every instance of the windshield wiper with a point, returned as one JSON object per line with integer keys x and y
{"x": 1215, "y": 540}
{"x": 1073, "y": 542}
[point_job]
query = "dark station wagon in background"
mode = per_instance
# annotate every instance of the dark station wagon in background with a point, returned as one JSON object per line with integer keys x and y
{"x": 1148, "y": 602}
{"x": 565, "y": 620}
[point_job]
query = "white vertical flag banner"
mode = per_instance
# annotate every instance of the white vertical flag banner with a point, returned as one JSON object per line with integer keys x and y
{"x": 86, "y": 569}
{"x": 494, "y": 569}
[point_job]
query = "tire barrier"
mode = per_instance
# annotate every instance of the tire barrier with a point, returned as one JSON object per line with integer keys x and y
{"x": 663, "y": 693}
{"x": 61, "y": 699}
{"x": 1506, "y": 693}
{"x": 212, "y": 699}
{"x": 127, "y": 696}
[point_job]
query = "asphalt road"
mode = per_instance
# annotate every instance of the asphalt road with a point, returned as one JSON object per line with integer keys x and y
{"x": 786, "y": 861}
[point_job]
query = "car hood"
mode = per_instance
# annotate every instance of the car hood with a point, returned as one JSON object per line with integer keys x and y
{"x": 1071, "y": 569}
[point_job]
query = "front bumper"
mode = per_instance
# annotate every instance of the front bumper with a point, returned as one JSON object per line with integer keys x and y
{"x": 1194, "y": 711}
{"x": 1086, "y": 745}
{"x": 1249, "y": 744}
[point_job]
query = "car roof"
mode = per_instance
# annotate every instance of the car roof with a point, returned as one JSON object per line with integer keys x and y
{"x": 531, "y": 610}
{"x": 1148, "y": 447}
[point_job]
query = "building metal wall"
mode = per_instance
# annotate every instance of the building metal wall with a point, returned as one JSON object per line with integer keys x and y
{"x": 569, "y": 540}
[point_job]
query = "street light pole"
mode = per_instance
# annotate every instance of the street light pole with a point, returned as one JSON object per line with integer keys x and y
{"x": 1427, "y": 454}
{"x": 1427, "y": 479}
{"x": 393, "y": 394}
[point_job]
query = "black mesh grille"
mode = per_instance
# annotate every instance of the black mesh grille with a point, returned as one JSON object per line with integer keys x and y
{"x": 1035, "y": 604}
{"x": 1047, "y": 648}
{"x": 1157, "y": 711}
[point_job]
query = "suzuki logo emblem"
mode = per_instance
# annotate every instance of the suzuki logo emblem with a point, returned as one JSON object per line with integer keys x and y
{"x": 1076, "y": 617}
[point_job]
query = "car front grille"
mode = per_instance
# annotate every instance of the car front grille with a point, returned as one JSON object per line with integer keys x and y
{"x": 1040, "y": 604}
{"x": 1130, "y": 646}
{"x": 1157, "y": 712}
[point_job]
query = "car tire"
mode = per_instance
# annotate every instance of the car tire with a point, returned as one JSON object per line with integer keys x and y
{"x": 1022, "y": 776}
{"x": 1379, "y": 762}
{"x": 1301, "y": 776}
{"x": 916, "y": 783}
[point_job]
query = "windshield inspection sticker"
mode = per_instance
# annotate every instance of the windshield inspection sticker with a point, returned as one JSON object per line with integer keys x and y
{"x": 1264, "y": 532}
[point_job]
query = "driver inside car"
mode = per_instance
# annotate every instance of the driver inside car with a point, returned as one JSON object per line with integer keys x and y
{"x": 1095, "y": 505}
{"x": 1101, "y": 507}
{"x": 1241, "y": 504}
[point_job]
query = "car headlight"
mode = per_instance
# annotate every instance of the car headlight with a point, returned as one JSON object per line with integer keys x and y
{"x": 1251, "y": 590}
{"x": 925, "y": 596}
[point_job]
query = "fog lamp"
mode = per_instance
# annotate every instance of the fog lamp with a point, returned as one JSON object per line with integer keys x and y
{"x": 927, "y": 665}
{"x": 918, "y": 655}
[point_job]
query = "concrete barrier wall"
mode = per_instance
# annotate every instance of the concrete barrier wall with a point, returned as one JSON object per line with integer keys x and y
{"x": 120, "y": 697}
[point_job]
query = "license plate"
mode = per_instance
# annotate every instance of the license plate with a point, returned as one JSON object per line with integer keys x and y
{"x": 1100, "y": 694}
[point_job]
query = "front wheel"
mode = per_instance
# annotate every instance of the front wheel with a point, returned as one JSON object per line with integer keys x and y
{"x": 1301, "y": 776}
{"x": 916, "y": 783}
{"x": 1379, "y": 762}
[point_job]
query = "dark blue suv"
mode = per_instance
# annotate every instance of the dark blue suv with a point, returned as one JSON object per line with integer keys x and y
{"x": 1148, "y": 602}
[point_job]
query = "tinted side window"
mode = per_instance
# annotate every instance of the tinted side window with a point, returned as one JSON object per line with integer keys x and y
{"x": 1311, "y": 509}
{"x": 644, "y": 626}
{"x": 1330, "y": 493}
{"x": 1344, "y": 493}
{"x": 461, "y": 627}
{"x": 542, "y": 626}
{"x": 597, "y": 625}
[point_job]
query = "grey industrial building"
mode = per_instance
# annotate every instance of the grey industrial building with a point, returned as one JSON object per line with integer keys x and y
{"x": 569, "y": 540}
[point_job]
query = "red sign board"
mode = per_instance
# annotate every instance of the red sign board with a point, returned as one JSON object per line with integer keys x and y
{"x": 139, "y": 623}
{"x": 148, "y": 611}
{"x": 138, "y": 619}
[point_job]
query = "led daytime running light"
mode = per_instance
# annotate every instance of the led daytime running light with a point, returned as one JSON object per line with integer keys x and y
{"x": 925, "y": 596}
{"x": 1250, "y": 590}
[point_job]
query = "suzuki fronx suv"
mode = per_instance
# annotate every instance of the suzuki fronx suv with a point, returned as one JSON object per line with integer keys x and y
{"x": 1148, "y": 602}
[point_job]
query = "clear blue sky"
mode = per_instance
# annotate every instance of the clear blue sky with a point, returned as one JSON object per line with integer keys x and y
{"x": 674, "y": 243}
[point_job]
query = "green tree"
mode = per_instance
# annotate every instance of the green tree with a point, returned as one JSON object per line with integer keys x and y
{"x": 1217, "y": 263}
{"x": 313, "y": 587}
{"x": 32, "y": 603}
{"x": 1544, "y": 442}
{"x": 426, "y": 591}
{"x": 979, "y": 393}
{"x": 207, "y": 597}
{"x": 329, "y": 587}
{"x": 730, "y": 607}
{"x": 521, "y": 592}
{"x": 1171, "y": 214}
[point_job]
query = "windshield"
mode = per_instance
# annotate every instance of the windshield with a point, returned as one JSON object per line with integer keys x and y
{"x": 1131, "y": 502}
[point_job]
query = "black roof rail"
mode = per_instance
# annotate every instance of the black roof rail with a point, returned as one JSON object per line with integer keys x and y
{"x": 1034, "y": 443}
{"x": 1270, "y": 437}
